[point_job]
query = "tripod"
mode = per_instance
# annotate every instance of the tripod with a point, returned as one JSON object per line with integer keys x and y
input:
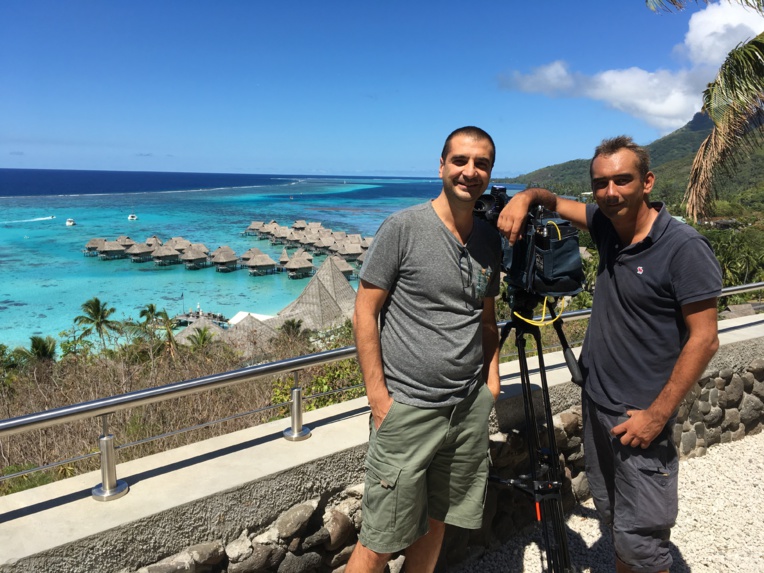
{"x": 544, "y": 483}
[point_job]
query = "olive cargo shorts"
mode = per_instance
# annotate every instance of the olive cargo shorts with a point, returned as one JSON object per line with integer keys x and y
{"x": 425, "y": 462}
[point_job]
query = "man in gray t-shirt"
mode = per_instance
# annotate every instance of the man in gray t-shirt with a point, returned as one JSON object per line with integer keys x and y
{"x": 425, "y": 328}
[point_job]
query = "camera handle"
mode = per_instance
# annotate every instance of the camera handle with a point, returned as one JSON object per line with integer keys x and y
{"x": 544, "y": 484}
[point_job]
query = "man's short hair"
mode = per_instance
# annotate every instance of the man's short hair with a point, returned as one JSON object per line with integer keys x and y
{"x": 469, "y": 131}
{"x": 615, "y": 144}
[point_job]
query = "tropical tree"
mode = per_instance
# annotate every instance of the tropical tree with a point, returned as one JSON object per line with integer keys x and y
{"x": 202, "y": 339}
{"x": 734, "y": 102}
{"x": 39, "y": 349}
{"x": 96, "y": 318}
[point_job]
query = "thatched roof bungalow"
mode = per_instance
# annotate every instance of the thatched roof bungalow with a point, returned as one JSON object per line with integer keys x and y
{"x": 299, "y": 267}
{"x": 166, "y": 255}
{"x": 224, "y": 259}
{"x": 111, "y": 250}
{"x": 125, "y": 241}
{"x": 139, "y": 252}
{"x": 92, "y": 246}
{"x": 195, "y": 259}
{"x": 261, "y": 264}
{"x": 250, "y": 253}
{"x": 178, "y": 243}
{"x": 154, "y": 241}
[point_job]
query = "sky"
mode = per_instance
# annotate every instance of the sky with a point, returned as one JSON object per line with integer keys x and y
{"x": 345, "y": 88}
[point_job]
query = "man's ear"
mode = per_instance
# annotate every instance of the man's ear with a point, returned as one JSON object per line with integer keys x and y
{"x": 440, "y": 169}
{"x": 649, "y": 182}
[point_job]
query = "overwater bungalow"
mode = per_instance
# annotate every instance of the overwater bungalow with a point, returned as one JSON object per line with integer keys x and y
{"x": 303, "y": 253}
{"x": 166, "y": 255}
{"x": 299, "y": 267}
{"x": 153, "y": 241}
{"x": 140, "y": 252}
{"x": 110, "y": 250}
{"x": 366, "y": 242}
{"x": 349, "y": 251}
{"x": 199, "y": 247}
{"x": 261, "y": 265}
{"x": 284, "y": 258}
{"x": 250, "y": 253}
{"x": 323, "y": 246}
{"x": 225, "y": 260}
{"x": 195, "y": 259}
{"x": 125, "y": 241}
{"x": 178, "y": 243}
{"x": 92, "y": 246}
{"x": 253, "y": 228}
{"x": 299, "y": 224}
{"x": 279, "y": 235}
{"x": 344, "y": 267}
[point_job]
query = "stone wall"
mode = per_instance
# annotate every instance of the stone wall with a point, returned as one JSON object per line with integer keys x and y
{"x": 319, "y": 534}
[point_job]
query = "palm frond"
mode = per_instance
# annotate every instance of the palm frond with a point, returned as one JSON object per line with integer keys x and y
{"x": 735, "y": 103}
{"x": 668, "y": 5}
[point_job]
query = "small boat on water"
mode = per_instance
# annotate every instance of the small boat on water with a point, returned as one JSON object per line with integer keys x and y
{"x": 132, "y": 217}
{"x": 70, "y": 223}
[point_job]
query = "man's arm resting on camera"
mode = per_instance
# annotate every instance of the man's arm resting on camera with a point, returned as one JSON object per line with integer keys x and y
{"x": 368, "y": 304}
{"x": 512, "y": 218}
{"x": 644, "y": 425}
{"x": 491, "y": 347}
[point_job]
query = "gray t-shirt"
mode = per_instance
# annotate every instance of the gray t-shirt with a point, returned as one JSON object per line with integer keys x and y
{"x": 430, "y": 325}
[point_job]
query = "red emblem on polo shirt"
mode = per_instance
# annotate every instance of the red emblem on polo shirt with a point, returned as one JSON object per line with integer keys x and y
{"x": 640, "y": 270}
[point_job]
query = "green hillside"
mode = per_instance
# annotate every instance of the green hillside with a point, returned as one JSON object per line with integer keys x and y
{"x": 671, "y": 159}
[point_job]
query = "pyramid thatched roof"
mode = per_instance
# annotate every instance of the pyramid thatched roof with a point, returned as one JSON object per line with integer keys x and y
{"x": 250, "y": 336}
{"x": 327, "y": 301}
{"x": 125, "y": 241}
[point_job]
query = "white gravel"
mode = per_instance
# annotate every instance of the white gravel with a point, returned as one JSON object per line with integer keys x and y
{"x": 720, "y": 528}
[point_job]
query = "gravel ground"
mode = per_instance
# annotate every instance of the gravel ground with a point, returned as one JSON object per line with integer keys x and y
{"x": 720, "y": 528}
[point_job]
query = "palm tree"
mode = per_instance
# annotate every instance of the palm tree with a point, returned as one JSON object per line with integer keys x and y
{"x": 167, "y": 325}
{"x": 734, "y": 102}
{"x": 202, "y": 339}
{"x": 149, "y": 314}
{"x": 39, "y": 349}
{"x": 96, "y": 318}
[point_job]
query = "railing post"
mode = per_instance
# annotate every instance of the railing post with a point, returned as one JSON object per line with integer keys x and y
{"x": 297, "y": 432}
{"x": 109, "y": 488}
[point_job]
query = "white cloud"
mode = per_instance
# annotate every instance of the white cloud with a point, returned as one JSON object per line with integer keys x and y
{"x": 663, "y": 99}
{"x": 713, "y": 32}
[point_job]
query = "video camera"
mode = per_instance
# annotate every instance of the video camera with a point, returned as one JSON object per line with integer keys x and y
{"x": 546, "y": 262}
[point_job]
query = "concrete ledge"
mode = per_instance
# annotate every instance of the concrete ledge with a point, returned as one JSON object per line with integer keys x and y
{"x": 215, "y": 488}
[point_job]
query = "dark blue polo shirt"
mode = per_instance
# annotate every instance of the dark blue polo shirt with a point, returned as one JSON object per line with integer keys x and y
{"x": 636, "y": 330}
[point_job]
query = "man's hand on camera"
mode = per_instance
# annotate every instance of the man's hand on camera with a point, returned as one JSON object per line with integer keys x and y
{"x": 511, "y": 221}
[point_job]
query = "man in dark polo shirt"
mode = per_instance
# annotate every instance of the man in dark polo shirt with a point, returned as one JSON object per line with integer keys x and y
{"x": 651, "y": 335}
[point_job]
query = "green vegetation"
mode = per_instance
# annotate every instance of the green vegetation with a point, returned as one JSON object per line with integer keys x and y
{"x": 100, "y": 357}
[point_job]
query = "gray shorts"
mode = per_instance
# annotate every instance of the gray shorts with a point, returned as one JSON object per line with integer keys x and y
{"x": 425, "y": 462}
{"x": 635, "y": 490}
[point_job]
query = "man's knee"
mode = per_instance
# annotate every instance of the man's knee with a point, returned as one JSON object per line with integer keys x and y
{"x": 365, "y": 560}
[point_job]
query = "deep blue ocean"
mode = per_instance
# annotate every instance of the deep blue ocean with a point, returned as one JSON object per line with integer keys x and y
{"x": 46, "y": 278}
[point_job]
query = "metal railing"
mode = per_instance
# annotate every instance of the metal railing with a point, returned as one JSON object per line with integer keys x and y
{"x": 111, "y": 488}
